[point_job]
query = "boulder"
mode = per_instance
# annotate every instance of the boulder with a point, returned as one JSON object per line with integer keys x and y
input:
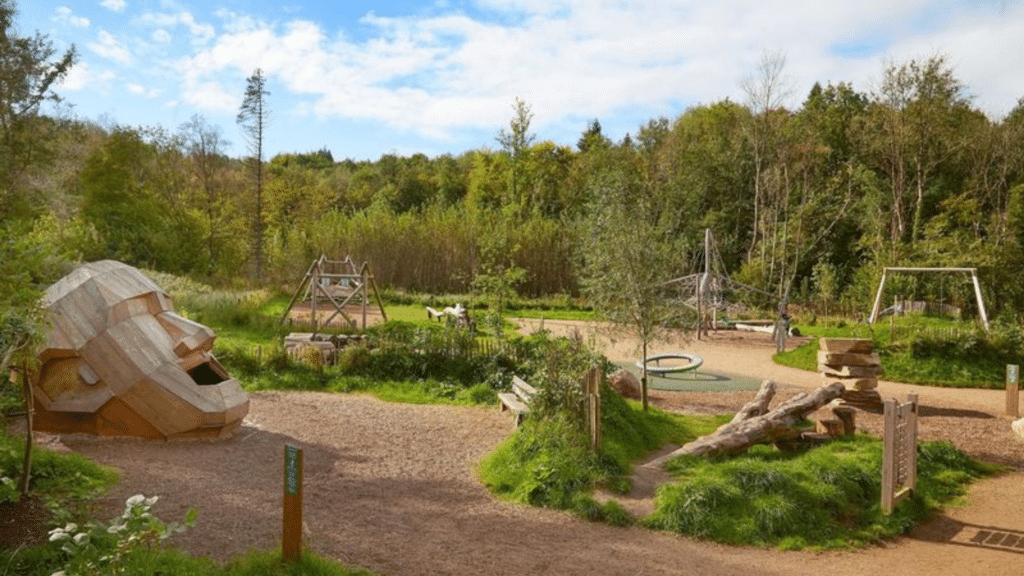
{"x": 1018, "y": 428}
{"x": 626, "y": 384}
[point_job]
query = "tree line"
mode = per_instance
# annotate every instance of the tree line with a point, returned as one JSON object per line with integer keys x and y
{"x": 807, "y": 203}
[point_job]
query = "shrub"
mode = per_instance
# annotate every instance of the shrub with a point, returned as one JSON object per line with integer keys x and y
{"x": 546, "y": 463}
{"x": 126, "y": 546}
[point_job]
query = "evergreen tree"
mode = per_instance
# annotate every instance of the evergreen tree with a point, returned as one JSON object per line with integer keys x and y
{"x": 253, "y": 117}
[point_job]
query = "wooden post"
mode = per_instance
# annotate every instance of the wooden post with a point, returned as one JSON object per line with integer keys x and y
{"x": 291, "y": 544}
{"x": 313, "y": 293}
{"x": 899, "y": 455}
{"x": 1012, "y": 390}
{"x": 366, "y": 296}
{"x": 592, "y": 390}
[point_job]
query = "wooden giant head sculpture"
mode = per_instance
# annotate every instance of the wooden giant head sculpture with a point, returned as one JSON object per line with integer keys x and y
{"x": 121, "y": 362}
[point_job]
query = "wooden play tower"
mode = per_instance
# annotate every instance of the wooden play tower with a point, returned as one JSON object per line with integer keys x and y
{"x": 333, "y": 289}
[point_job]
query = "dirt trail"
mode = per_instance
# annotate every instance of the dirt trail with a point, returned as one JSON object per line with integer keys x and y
{"x": 392, "y": 487}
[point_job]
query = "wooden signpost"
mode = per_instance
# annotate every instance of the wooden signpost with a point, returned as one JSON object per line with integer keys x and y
{"x": 899, "y": 456}
{"x": 1012, "y": 390}
{"x": 591, "y": 382}
{"x": 291, "y": 544}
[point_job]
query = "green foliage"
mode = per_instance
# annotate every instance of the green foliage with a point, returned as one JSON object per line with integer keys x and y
{"x": 28, "y": 74}
{"x": 555, "y": 367}
{"x": 128, "y": 545}
{"x": 66, "y": 482}
{"x": 270, "y": 564}
{"x": 629, "y": 433}
{"x": 629, "y": 248}
{"x": 132, "y": 543}
{"x": 24, "y": 268}
{"x": 547, "y": 461}
{"x": 41, "y": 561}
{"x": 827, "y": 497}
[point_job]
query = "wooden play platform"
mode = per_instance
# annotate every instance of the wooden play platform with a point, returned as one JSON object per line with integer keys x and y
{"x": 335, "y": 294}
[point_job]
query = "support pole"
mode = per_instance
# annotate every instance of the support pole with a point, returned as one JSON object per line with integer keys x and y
{"x": 316, "y": 288}
{"x": 366, "y": 294}
{"x": 981, "y": 303}
{"x": 877, "y": 308}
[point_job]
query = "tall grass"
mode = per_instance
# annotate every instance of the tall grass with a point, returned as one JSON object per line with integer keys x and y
{"x": 436, "y": 250}
{"x": 828, "y": 497}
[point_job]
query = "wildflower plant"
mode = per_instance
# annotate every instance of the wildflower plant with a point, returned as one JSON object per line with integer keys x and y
{"x": 117, "y": 548}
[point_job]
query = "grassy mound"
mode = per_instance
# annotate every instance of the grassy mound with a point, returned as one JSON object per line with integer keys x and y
{"x": 828, "y": 497}
{"x": 547, "y": 462}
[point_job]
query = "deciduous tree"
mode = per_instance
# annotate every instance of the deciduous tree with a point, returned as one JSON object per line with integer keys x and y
{"x": 28, "y": 72}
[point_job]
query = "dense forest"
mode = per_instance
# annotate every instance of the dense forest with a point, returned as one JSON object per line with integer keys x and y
{"x": 808, "y": 202}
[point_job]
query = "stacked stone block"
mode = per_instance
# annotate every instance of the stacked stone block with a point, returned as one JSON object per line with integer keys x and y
{"x": 854, "y": 363}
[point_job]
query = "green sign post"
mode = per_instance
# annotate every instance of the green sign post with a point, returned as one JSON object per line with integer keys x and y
{"x": 291, "y": 544}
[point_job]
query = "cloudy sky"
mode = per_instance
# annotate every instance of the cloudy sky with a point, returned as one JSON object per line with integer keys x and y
{"x": 370, "y": 78}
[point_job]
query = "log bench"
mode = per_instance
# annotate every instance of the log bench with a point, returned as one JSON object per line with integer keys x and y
{"x": 518, "y": 400}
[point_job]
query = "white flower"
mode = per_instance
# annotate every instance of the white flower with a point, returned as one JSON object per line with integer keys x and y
{"x": 135, "y": 500}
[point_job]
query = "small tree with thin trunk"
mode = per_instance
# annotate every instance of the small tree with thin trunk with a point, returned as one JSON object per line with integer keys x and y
{"x": 627, "y": 255}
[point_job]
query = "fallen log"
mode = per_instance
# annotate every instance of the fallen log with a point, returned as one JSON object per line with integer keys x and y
{"x": 776, "y": 425}
{"x": 759, "y": 405}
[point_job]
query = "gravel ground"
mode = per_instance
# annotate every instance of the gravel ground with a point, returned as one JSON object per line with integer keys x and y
{"x": 393, "y": 488}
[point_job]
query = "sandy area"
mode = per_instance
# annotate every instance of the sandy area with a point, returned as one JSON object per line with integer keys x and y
{"x": 392, "y": 487}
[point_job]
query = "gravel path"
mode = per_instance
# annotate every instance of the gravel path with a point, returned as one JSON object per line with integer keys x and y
{"x": 392, "y": 487}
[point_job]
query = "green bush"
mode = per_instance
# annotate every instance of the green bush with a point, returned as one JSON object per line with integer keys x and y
{"x": 129, "y": 544}
{"x": 547, "y": 463}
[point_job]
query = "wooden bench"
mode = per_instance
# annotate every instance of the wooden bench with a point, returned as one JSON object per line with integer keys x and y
{"x": 518, "y": 399}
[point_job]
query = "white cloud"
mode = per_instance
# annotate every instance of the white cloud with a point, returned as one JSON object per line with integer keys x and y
{"x": 115, "y": 5}
{"x": 584, "y": 59}
{"x": 78, "y": 77}
{"x": 66, "y": 16}
{"x": 161, "y": 36}
{"x": 211, "y": 97}
{"x": 109, "y": 47}
{"x": 164, "y": 20}
{"x": 82, "y": 77}
{"x": 140, "y": 90}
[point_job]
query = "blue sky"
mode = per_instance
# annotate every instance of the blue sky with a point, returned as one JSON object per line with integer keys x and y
{"x": 370, "y": 78}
